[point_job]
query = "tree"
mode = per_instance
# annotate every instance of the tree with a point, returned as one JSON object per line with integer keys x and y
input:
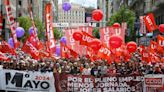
{"x": 57, "y": 34}
{"x": 124, "y": 15}
{"x": 25, "y": 22}
{"x": 95, "y": 33}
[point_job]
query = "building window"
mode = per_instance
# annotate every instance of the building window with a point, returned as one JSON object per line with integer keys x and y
{"x": 20, "y": 2}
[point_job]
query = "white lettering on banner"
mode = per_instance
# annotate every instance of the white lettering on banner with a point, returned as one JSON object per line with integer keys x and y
{"x": 105, "y": 51}
{"x": 118, "y": 31}
{"x": 106, "y": 36}
{"x": 50, "y": 35}
{"x": 32, "y": 48}
{"x": 161, "y": 42}
{"x": 71, "y": 39}
{"x": 86, "y": 29}
{"x": 52, "y": 43}
{"x": 87, "y": 38}
{"x": 149, "y": 22}
{"x": 12, "y": 23}
{"x": 12, "y": 80}
{"x": 103, "y": 84}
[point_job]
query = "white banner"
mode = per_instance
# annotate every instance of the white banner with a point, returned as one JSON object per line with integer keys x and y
{"x": 26, "y": 81}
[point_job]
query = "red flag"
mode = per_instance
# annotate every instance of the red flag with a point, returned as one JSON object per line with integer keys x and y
{"x": 64, "y": 52}
{"x": 71, "y": 43}
{"x": 82, "y": 48}
{"x": 67, "y": 52}
{"x": 160, "y": 42}
{"x": 6, "y": 48}
{"x": 49, "y": 29}
{"x": 86, "y": 39}
{"x": 141, "y": 49}
{"x": 28, "y": 47}
{"x": 142, "y": 25}
{"x": 153, "y": 46}
{"x": 150, "y": 22}
{"x": 107, "y": 32}
{"x": 104, "y": 52}
{"x": 43, "y": 54}
{"x": 12, "y": 23}
{"x": 91, "y": 54}
{"x": 86, "y": 29}
{"x": 1, "y": 24}
{"x": 39, "y": 45}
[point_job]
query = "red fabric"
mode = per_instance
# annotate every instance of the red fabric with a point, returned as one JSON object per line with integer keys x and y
{"x": 51, "y": 45}
{"x": 160, "y": 42}
{"x": 67, "y": 52}
{"x": 90, "y": 53}
{"x": 87, "y": 29}
{"x": 104, "y": 52}
{"x": 29, "y": 48}
{"x": 39, "y": 45}
{"x": 153, "y": 46}
{"x": 12, "y": 23}
{"x": 87, "y": 38}
{"x": 150, "y": 22}
{"x": 107, "y": 32}
{"x": 71, "y": 43}
{"x": 82, "y": 48}
{"x": 6, "y": 48}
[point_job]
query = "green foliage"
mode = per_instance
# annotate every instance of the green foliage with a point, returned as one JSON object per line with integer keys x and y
{"x": 95, "y": 33}
{"x": 57, "y": 34}
{"x": 124, "y": 15}
{"x": 26, "y": 23}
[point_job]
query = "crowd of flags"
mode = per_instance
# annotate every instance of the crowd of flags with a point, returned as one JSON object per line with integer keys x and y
{"x": 84, "y": 47}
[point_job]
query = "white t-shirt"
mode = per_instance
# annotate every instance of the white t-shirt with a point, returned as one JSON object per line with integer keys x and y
{"x": 86, "y": 71}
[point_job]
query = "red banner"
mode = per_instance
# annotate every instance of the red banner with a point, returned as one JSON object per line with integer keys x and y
{"x": 71, "y": 43}
{"x": 150, "y": 22}
{"x": 83, "y": 49}
{"x": 6, "y": 48}
{"x": 12, "y": 23}
{"x": 49, "y": 29}
{"x": 142, "y": 25}
{"x": 88, "y": 83}
{"x": 67, "y": 52}
{"x": 86, "y": 39}
{"x": 28, "y": 47}
{"x": 86, "y": 29}
{"x": 105, "y": 53}
{"x": 160, "y": 40}
{"x": 106, "y": 32}
{"x": 39, "y": 46}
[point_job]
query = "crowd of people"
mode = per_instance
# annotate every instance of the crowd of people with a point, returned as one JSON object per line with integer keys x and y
{"x": 80, "y": 66}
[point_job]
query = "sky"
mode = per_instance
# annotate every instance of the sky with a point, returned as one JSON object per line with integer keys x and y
{"x": 87, "y": 3}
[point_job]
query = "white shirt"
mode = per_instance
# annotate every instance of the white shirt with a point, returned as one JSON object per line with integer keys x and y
{"x": 86, "y": 71}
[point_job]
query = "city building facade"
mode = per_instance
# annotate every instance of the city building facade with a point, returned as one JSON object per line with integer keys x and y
{"x": 75, "y": 15}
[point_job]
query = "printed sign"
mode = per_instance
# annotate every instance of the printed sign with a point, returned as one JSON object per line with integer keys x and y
{"x": 12, "y": 80}
{"x": 70, "y": 83}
